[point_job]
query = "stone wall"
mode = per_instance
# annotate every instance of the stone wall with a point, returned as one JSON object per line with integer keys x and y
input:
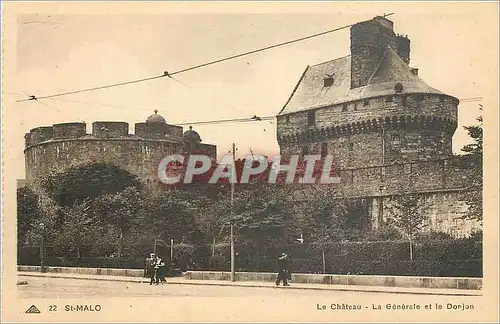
{"x": 393, "y": 179}
{"x": 369, "y": 109}
{"x": 139, "y": 157}
{"x": 358, "y": 280}
{"x": 445, "y": 214}
{"x": 62, "y": 146}
{"x": 328, "y": 279}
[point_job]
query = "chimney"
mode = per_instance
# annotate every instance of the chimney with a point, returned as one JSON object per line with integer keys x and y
{"x": 403, "y": 47}
{"x": 369, "y": 40}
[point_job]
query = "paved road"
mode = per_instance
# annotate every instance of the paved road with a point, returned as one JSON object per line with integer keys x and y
{"x": 199, "y": 303}
{"x": 70, "y": 288}
{"x": 39, "y": 287}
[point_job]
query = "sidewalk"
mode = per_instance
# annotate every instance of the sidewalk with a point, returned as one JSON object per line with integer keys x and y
{"x": 256, "y": 284}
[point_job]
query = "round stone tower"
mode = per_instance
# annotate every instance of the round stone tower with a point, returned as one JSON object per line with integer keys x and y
{"x": 373, "y": 113}
{"x": 59, "y": 147}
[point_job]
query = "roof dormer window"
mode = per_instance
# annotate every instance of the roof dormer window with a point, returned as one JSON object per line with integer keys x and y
{"x": 328, "y": 81}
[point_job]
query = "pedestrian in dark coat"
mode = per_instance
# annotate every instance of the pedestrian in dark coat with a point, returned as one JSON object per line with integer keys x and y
{"x": 283, "y": 274}
{"x": 147, "y": 266}
{"x": 161, "y": 271}
{"x": 151, "y": 268}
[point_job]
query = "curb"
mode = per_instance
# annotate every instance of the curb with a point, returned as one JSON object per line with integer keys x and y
{"x": 194, "y": 283}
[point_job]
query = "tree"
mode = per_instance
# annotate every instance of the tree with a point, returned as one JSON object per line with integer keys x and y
{"x": 121, "y": 210}
{"x": 81, "y": 228}
{"x": 87, "y": 181}
{"x": 261, "y": 214}
{"x": 409, "y": 212}
{"x": 323, "y": 218}
{"x": 27, "y": 210}
{"x": 171, "y": 215}
{"x": 472, "y": 160}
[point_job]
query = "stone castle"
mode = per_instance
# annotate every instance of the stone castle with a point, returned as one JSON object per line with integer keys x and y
{"x": 62, "y": 146}
{"x": 389, "y": 132}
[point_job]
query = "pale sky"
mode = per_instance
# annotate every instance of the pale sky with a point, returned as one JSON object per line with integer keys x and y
{"x": 57, "y": 52}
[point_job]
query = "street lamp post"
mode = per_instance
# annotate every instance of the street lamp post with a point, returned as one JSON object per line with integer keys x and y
{"x": 42, "y": 249}
{"x": 233, "y": 172}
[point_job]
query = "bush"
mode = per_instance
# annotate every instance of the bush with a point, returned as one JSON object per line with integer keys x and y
{"x": 436, "y": 257}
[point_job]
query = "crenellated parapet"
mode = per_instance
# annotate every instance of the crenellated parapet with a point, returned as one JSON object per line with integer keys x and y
{"x": 102, "y": 130}
{"x": 55, "y": 148}
{"x": 69, "y": 130}
{"x": 107, "y": 129}
{"x": 415, "y": 122}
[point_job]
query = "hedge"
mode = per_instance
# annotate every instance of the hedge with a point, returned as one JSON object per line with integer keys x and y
{"x": 459, "y": 257}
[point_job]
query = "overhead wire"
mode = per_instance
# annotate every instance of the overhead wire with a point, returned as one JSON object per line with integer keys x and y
{"x": 170, "y": 74}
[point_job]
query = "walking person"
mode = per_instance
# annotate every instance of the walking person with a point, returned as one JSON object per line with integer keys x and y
{"x": 283, "y": 274}
{"x": 147, "y": 265}
{"x": 161, "y": 271}
{"x": 151, "y": 269}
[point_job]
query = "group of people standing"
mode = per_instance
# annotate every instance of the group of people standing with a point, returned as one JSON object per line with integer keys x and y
{"x": 155, "y": 269}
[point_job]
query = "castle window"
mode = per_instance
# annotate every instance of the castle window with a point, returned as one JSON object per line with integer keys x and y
{"x": 344, "y": 107}
{"x": 398, "y": 88}
{"x": 288, "y": 118}
{"x": 351, "y": 146}
{"x": 328, "y": 82}
{"x": 311, "y": 118}
{"x": 396, "y": 141}
{"x": 305, "y": 150}
{"x": 403, "y": 101}
{"x": 324, "y": 149}
{"x": 388, "y": 99}
{"x": 355, "y": 106}
{"x": 366, "y": 102}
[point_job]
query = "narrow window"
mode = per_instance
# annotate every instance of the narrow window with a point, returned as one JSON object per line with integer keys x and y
{"x": 288, "y": 118}
{"x": 351, "y": 146}
{"x": 311, "y": 118}
{"x": 366, "y": 102}
{"x": 403, "y": 101}
{"x": 355, "y": 106}
{"x": 344, "y": 107}
{"x": 324, "y": 149}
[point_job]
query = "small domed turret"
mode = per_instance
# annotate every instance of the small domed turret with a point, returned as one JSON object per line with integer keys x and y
{"x": 156, "y": 119}
{"x": 192, "y": 136}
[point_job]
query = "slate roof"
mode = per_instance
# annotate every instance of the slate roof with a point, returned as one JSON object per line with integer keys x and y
{"x": 310, "y": 92}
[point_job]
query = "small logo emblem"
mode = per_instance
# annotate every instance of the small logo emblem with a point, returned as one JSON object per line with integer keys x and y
{"x": 33, "y": 310}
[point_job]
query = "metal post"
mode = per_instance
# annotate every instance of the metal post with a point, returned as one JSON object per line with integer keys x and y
{"x": 411, "y": 250}
{"x": 324, "y": 261}
{"x": 171, "y": 250}
{"x": 232, "y": 229}
{"x": 42, "y": 249}
{"x": 42, "y": 255}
